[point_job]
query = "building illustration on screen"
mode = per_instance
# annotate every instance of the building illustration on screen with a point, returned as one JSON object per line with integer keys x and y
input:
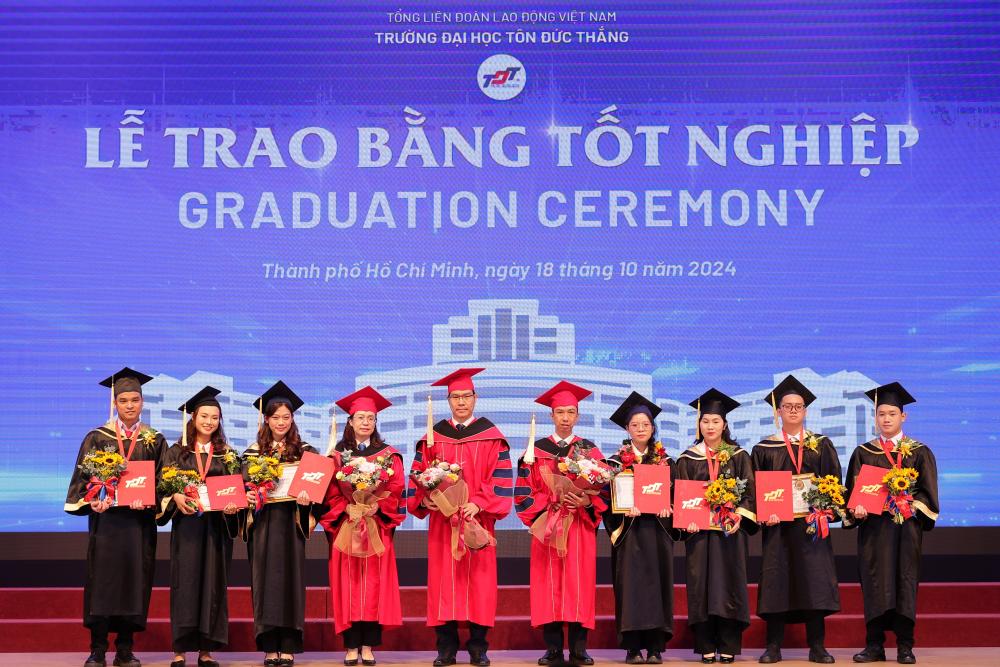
{"x": 525, "y": 352}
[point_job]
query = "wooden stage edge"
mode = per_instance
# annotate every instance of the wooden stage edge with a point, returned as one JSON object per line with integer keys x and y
{"x": 925, "y": 656}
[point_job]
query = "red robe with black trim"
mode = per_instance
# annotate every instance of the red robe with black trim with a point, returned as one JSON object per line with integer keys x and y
{"x": 466, "y": 589}
{"x": 366, "y": 589}
{"x": 563, "y": 588}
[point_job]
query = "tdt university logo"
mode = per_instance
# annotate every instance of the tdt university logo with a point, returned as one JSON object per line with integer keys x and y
{"x": 501, "y": 77}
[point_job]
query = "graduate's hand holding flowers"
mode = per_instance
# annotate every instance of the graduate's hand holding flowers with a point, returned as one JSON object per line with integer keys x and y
{"x": 429, "y": 504}
{"x": 100, "y": 506}
{"x": 576, "y": 501}
{"x": 735, "y": 525}
{"x": 470, "y": 510}
{"x": 185, "y": 504}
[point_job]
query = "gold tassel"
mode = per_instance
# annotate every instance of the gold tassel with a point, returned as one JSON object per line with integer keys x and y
{"x": 430, "y": 422}
{"x": 774, "y": 407}
{"x": 332, "y": 443}
{"x": 184, "y": 431}
{"x": 697, "y": 423}
{"x": 529, "y": 452}
{"x": 111, "y": 409}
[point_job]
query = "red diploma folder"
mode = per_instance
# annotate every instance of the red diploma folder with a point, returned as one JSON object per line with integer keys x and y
{"x": 652, "y": 488}
{"x": 138, "y": 482}
{"x": 774, "y": 494}
{"x": 869, "y": 491}
{"x": 225, "y": 489}
{"x": 313, "y": 477}
{"x": 690, "y": 505}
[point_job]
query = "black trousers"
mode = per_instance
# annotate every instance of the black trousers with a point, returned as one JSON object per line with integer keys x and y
{"x": 447, "y": 638}
{"x": 195, "y": 641}
{"x": 362, "y": 633}
{"x": 649, "y": 640}
{"x": 815, "y": 629}
{"x": 552, "y": 633}
{"x": 99, "y": 628}
{"x": 718, "y": 635}
{"x": 280, "y": 640}
{"x": 900, "y": 625}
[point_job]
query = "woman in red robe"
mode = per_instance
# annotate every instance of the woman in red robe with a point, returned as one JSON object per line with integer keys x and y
{"x": 366, "y": 503}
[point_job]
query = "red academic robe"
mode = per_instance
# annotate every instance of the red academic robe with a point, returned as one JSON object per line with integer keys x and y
{"x": 466, "y": 589}
{"x": 366, "y": 589}
{"x": 563, "y": 588}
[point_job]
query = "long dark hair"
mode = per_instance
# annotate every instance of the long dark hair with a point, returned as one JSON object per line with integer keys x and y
{"x": 218, "y": 438}
{"x": 265, "y": 439}
{"x": 349, "y": 443}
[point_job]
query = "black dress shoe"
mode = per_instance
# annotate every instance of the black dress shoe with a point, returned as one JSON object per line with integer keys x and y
{"x": 550, "y": 657}
{"x": 126, "y": 659}
{"x": 180, "y": 663}
{"x": 904, "y": 656}
{"x": 95, "y": 660}
{"x": 581, "y": 658}
{"x": 286, "y": 662}
{"x": 272, "y": 662}
{"x": 369, "y": 663}
{"x": 208, "y": 662}
{"x": 770, "y": 656}
{"x": 870, "y": 654}
{"x": 653, "y": 658}
{"x": 634, "y": 658}
{"x": 350, "y": 663}
{"x": 727, "y": 659}
{"x": 821, "y": 655}
{"x": 708, "y": 660}
{"x": 479, "y": 659}
{"x": 444, "y": 660}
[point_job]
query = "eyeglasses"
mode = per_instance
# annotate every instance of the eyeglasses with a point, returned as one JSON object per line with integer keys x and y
{"x": 458, "y": 398}
{"x": 364, "y": 420}
{"x": 793, "y": 407}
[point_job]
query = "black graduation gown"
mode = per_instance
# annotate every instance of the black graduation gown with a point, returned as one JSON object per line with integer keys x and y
{"x": 201, "y": 550}
{"x": 121, "y": 545}
{"x": 276, "y": 546}
{"x": 642, "y": 569}
{"x": 798, "y": 574}
{"x": 716, "y": 562}
{"x": 889, "y": 553}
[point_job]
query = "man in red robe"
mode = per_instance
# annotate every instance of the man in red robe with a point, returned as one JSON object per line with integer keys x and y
{"x": 461, "y": 581}
{"x": 563, "y": 520}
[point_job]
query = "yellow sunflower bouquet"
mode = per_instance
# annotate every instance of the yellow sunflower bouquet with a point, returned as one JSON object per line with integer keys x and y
{"x": 264, "y": 473}
{"x": 723, "y": 495}
{"x": 104, "y": 468}
{"x": 826, "y": 503}
{"x": 900, "y": 482}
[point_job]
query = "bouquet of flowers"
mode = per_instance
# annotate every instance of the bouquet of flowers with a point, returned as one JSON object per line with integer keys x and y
{"x": 826, "y": 501}
{"x": 655, "y": 454}
{"x": 264, "y": 473}
{"x": 900, "y": 481}
{"x": 723, "y": 495}
{"x": 360, "y": 480}
{"x": 586, "y": 473}
{"x": 444, "y": 485}
{"x": 232, "y": 461}
{"x": 438, "y": 475}
{"x": 177, "y": 480}
{"x": 104, "y": 467}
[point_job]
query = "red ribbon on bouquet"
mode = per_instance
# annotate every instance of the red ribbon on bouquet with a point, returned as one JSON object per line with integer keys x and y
{"x": 726, "y": 517}
{"x": 900, "y": 504}
{"x": 819, "y": 521}
{"x": 259, "y": 493}
{"x": 99, "y": 490}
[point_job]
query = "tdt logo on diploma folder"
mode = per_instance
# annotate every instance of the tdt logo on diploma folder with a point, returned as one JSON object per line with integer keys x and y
{"x": 138, "y": 482}
{"x": 652, "y": 488}
{"x": 690, "y": 505}
{"x": 225, "y": 489}
{"x": 313, "y": 477}
{"x": 869, "y": 491}
{"x": 774, "y": 494}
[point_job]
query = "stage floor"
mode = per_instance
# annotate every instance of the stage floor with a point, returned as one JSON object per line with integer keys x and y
{"x": 925, "y": 656}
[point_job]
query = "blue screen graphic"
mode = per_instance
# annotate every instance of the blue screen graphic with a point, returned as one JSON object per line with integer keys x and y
{"x": 670, "y": 198}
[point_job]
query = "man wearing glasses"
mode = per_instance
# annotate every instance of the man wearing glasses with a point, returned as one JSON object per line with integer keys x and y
{"x": 462, "y": 581}
{"x": 798, "y": 579}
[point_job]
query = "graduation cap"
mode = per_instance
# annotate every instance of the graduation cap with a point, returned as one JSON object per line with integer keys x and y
{"x": 279, "y": 393}
{"x": 365, "y": 399}
{"x": 206, "y": 396}
{"x": 790, "y": 385}
{"x": 124, "y": 380}
{"x": 460, "y": 380}
{"x": 890, "y": 394}
{"x": 712, "y": 402}
{"x": 635, "y": 403}
{"x": 563, "y": 394}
